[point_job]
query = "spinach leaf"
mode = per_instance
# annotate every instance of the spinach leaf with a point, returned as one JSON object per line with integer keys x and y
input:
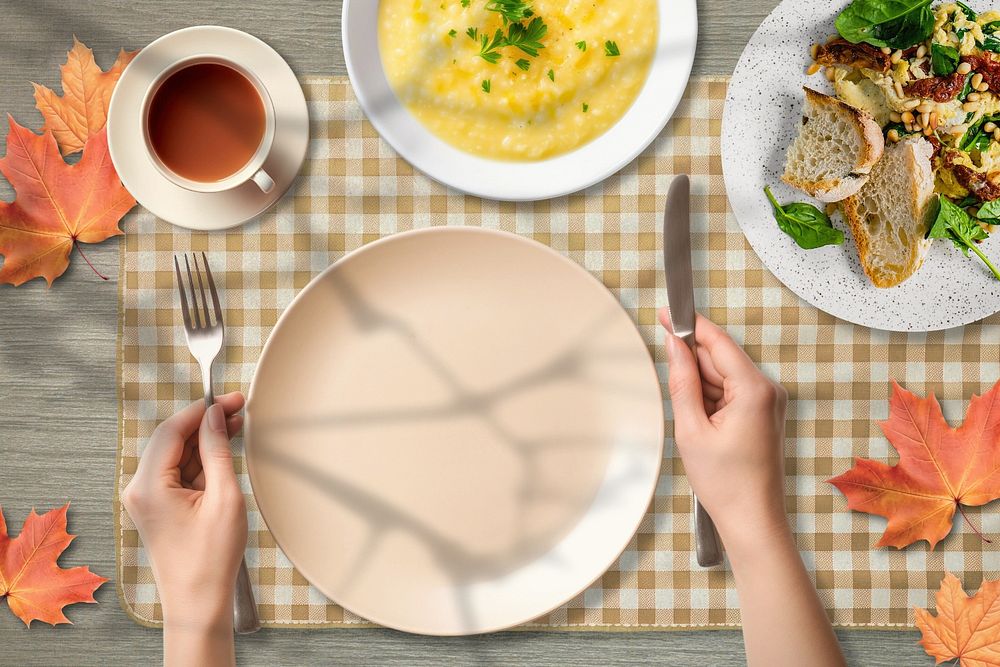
{"x": 975, "y": 138}
{"x": 991, "y": 27}
{"x": 898, "y": 24}
{"x": 967, "y": 10}
{"x": 954, "y": 224}
{"x": 988, "y": 212}
{"x": 991, "y": 43}
{"x": 808, "y": 226}
{"x": 966, "y": 89}
{"x": 944, "y": 59}
{"x": 900, "y": 129}
{"x": 967, "y": 201}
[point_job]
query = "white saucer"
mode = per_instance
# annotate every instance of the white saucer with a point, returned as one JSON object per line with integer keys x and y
{"x": 196, "y": 210}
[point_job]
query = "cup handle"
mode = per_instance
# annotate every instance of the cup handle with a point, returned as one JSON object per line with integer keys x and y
{"x": 263, "y": 180}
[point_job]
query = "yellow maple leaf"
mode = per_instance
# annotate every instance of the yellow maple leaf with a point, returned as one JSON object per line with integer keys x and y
{"x": 82, "y": 110}
{"x": 967, "y": 628}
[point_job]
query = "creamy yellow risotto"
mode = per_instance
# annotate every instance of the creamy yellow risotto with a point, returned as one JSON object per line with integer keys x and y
{"x": 516, "y": 80}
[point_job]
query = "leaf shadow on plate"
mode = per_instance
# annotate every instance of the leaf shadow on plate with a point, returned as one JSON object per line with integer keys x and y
{"x": 461, "y": 565}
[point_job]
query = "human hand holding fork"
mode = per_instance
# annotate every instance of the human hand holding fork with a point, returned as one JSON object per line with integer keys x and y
{"x": 187, "y": 503}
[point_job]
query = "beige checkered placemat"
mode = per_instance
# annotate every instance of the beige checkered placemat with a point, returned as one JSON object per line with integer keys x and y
{"x": 353, "y": 190}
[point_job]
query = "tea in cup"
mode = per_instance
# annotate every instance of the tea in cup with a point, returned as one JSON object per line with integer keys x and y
{"x": 209, "y": 125}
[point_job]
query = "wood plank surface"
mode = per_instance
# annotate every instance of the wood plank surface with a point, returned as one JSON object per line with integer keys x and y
{"x": 58, "y": 407}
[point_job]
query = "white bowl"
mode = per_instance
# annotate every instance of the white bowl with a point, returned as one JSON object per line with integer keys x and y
{"x": 522, "y": 181}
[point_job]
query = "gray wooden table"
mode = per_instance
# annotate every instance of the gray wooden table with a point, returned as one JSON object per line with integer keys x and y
{"x": 58, "y": 409}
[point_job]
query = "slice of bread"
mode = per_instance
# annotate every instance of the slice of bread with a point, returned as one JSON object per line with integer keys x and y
{"x": 890, "y": 216}
{"x": 835, "y": 150}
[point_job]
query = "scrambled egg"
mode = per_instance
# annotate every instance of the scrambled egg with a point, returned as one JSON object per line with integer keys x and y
{"x": 521, "y": 107}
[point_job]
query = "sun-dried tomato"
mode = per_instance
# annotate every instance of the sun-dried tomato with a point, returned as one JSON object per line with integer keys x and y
{"x": 842, "y": 52}
{"x": 987, "y": 66}
{"x": 976, "y": 182}
{"x": 936, "y": 145}
{"x": 937, "y": 88}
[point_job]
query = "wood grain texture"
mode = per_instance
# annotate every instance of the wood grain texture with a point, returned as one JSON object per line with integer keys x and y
{"x": 58, "y": 407}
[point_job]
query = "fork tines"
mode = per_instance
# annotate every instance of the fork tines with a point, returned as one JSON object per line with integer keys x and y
{"x": 193, "y": 317}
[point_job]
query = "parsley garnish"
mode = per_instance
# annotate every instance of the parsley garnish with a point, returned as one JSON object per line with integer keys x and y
{"x": 586, "y": 107}
{"x": 582, "y": 46}
{"x": 518, "y": 35}
{"x": 452, "y": 33}
{"x": 611, "y": 49}
{"x": 488, "y": 47}
{"x": 486, "y": 85}
{"x": 552, "y": 75}
{"x": 512, "y": 11}
{"x": 465, "y": 3}
{"x": 527, "y": 38}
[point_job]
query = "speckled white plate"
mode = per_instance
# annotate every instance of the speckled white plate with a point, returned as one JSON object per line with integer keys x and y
{"x": 522, "y": 181}
{"x": 762, "y": 114}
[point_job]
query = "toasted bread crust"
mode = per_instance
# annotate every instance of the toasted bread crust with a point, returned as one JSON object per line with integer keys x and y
{"x": 873, "y": 144}
{"x": 851, "y": 209}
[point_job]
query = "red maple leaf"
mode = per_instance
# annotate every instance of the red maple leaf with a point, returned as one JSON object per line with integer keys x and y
{"x": 35, "y": 586}
{"x": 940, "y": 469}
{"x": 58, "y": 206}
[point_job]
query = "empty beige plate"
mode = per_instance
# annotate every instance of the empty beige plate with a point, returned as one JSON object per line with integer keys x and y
{"x": 454, "y": 431}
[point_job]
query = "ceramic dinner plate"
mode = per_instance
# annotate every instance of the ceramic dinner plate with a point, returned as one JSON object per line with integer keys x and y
{"x": 199, "y": 210}
{"x": 522, "y": 181}
{"x": 762, "y": 116}
{"x": 454, "y": 431}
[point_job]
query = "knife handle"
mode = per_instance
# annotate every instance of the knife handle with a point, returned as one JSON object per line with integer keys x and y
{"x": 707, "y": 546}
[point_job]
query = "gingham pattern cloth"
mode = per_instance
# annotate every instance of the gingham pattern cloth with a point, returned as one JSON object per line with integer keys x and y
{"x": 353, "y": 189}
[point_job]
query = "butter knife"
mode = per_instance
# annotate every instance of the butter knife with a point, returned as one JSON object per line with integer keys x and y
{"x": 680, "y": 306}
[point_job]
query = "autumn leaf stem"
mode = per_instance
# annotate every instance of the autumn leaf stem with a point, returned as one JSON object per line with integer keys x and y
{"x": 969, "y": 524}
{"x": 76, "y": 244}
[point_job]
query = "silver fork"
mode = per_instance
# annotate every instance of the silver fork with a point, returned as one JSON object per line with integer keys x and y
{"x": 204, "y": 339}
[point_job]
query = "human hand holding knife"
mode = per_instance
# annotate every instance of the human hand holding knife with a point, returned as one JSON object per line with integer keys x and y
{"x": 680, "y": 300}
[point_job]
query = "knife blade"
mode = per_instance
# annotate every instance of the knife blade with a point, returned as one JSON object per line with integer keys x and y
{"x": 680, "y": 308}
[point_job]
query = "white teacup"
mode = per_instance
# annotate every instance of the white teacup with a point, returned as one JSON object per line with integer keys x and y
{"x": 252, "y": 170}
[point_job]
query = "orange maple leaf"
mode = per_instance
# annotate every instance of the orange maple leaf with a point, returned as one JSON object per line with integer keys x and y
{"x": 967, "y": 628}
{"x": 82, "y": 110}
{"x": 35, "y": 586}
{"x": 58, "y": 206}
{"x": 940, "y": 468}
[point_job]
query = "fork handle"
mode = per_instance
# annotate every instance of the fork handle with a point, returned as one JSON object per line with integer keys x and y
{"x": 245, "y": 619}
{"x": 206, "y": 384}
